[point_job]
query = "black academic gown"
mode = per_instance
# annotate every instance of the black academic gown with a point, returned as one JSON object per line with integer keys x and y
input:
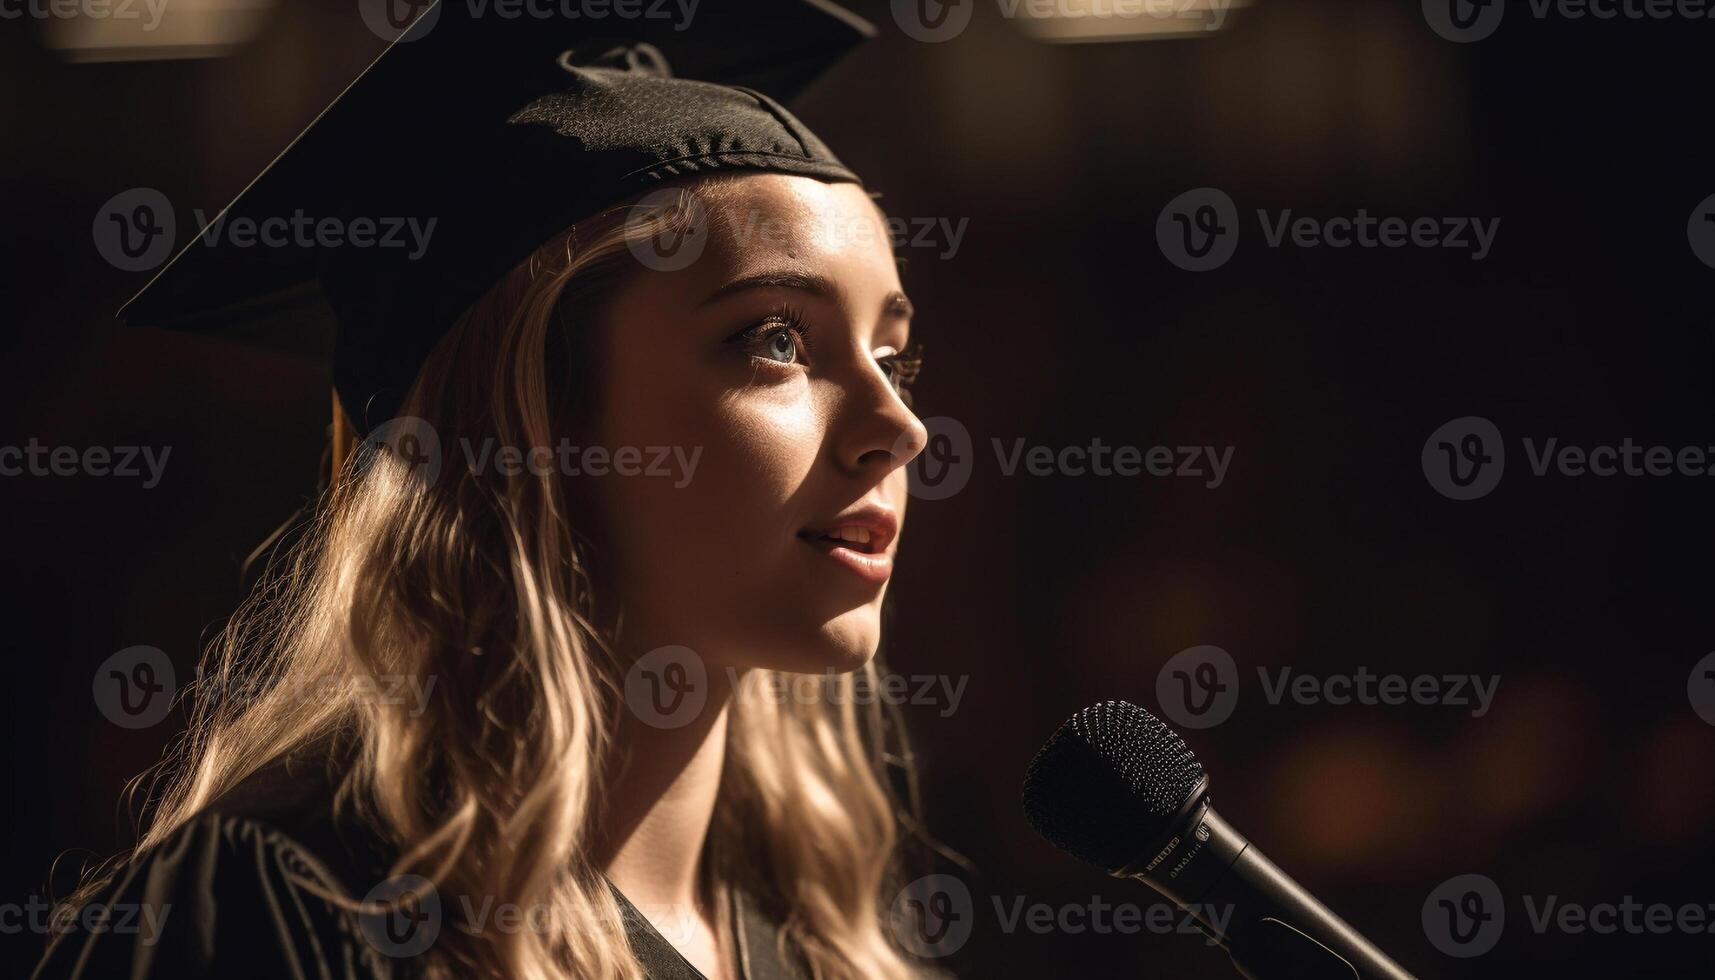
{"x": 233, "y": 893}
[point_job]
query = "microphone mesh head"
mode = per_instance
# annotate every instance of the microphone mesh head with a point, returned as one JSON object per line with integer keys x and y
{"x": 1108, "y": 782}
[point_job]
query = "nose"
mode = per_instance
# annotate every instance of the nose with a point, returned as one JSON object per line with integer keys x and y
{"x": 877, "y": 433}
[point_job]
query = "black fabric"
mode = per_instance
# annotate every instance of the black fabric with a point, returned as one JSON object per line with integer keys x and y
{"x": 502, "y": 134}
{"x": 602, "y": 135}
{"x": 249, "y": 887}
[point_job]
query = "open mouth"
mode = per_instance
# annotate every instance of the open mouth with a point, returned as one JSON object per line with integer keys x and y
{"x": 859, "y": 542}
{"x": 858, "y": 539}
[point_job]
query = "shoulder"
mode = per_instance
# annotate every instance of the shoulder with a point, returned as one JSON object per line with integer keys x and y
{"x": 260, "y": 884}
{"x": 293, "y": 806}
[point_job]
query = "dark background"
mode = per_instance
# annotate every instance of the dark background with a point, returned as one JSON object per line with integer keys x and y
{"x": 1058, "y": 321}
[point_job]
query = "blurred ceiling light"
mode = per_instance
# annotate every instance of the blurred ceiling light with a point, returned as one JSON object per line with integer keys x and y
{"x": 137, "y": 30}
{"x": 1078, "y": 21}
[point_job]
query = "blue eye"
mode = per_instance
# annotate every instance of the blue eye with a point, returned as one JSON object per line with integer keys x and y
{"x": 783, "y": 338}
{"x": 781, "y": 345}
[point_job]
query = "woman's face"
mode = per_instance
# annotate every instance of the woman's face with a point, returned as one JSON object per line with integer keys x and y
{"x": 767, "y": 370}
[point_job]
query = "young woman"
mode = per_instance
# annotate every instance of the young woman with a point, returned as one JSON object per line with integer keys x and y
{"x": 514, "y": 708}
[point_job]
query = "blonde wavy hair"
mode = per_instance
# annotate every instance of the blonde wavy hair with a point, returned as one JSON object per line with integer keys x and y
{"x": 480, "y": 581}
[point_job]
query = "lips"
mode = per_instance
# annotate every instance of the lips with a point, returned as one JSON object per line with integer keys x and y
{"x": 860, "y": 540}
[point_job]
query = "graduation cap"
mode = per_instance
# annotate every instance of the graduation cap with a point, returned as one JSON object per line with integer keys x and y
{"x": 492, "y": 134}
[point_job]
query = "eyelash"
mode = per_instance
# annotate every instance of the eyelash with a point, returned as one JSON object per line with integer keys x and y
{"x": 751, "y": 338}
{"x": 905, "y": 365}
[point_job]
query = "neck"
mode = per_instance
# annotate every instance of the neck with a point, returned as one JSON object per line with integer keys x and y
{"x": 657, "y": 803}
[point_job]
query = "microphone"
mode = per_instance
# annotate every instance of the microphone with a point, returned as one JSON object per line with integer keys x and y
{"x": 1119, "y": 789}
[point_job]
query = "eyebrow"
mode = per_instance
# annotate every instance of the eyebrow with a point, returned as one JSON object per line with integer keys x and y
{"x": 895, "y": 305}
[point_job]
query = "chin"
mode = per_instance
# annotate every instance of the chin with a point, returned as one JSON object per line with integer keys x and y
{"x": 849, "y": 641}
{"x": 841, "y": 644}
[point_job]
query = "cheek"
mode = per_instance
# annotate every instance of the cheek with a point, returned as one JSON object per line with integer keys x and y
{"x": 725, "y": 516}
{"x": 752, "y": 462}
{"x": 897, "y": 490}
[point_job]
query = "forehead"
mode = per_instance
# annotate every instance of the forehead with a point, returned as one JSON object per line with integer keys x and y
{"x": 769, "y": 221}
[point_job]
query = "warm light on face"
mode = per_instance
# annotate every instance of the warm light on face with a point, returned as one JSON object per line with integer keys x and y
{"x": 774, "y": 355}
